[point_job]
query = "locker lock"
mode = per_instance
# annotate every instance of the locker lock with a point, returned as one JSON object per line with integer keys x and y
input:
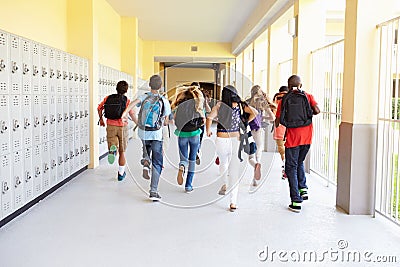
{"x": 44, "y": 72}
{"x": 86, "y": 148}
{"x": 52, "y": 73}
{"x": 86, "y": 78}
{"x": 45, "y": 120}
{"x": 58, "y": 74}
{"x": 37, "y": 171}
{"x": 76, "y": 77}
{"x": 82, "y": 149}
{"x": 26, "y": 123}
{"x": 25, "y": 69}
{"x": 65, "y": 116}
{"x": 82, "y": 114}
{"x": 15, "y": 125}
{"x": 66, "y": 157}
{"x": 80, "y": 77}
{"x": 65, "y": 75}
{"x": 76, "y": 115}
{"x": 5, "y": 187}
{"x": 3, "y": 126}
{"x": 17, "y": 181}
{"x": 53, "y": 164}
{"x": 35, "y": 70}
{"x": 27, "y": 176}
{"x": 76, "y": 152}
{"x": 71, "y": 116}
{"x": 60, "y": 161}
{"x": 71, "y": 154}
{"x": 100, "y": 141}
{"x": 14, "y": 67}
{"x": 71, "y": 76}
{"x": 52, "y": 119}
{"x": 86, "y": 113}
{"x": 45, "y": 167}
{"x": 2, "y": 66}
{"x": 59, "y": 117}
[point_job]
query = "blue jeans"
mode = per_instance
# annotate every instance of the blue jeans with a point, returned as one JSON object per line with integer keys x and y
{"x": 153, "y": 148}
{"x": 294, "y": 168}
{"x": 188, "y": 147}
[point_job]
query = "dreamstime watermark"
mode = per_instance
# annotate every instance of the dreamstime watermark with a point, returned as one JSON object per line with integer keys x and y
{"x": 339, "y": 254}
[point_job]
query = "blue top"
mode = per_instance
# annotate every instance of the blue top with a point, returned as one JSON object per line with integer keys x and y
{"x": 153, "y": 135}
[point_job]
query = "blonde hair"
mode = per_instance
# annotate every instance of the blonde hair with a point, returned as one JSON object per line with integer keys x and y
{"x": 259, "y": 102}
{"x": 184, "y": 93}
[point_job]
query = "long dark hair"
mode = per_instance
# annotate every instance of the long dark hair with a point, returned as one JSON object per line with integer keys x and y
{"x": 229, "y": 96}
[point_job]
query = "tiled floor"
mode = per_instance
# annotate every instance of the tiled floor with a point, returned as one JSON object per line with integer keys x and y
{"x": 96, "y": 221}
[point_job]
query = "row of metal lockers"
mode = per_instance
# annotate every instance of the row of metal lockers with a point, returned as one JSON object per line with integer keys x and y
{"x": 109, "y": 78}
{"x": 44, "y": 119}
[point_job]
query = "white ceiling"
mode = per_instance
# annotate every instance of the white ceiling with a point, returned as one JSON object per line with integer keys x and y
{"x": 187, "y": 20}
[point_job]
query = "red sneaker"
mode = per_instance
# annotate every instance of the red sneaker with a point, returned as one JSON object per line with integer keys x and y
{"x": 217, "y": 161}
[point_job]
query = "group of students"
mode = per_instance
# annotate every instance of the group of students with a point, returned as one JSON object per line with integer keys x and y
{"x": 193, "y": 117}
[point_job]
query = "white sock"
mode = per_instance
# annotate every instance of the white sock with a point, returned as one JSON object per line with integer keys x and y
{"x": 121, "y": 170}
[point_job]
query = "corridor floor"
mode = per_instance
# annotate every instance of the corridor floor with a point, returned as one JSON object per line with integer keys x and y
{"x": 94, "y": 220}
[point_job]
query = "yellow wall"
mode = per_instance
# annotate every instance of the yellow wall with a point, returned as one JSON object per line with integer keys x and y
{"x": 140, "y": 59}
{"x": 109, "y": 36}
{"x": 334, "y": 28}
{"x": 163, "y": 48}
{"x": 147, "y": 64}
{"x": 44, "y": 21}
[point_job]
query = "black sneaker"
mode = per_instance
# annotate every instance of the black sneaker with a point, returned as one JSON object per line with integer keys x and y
{"x": 197, "y": 159}
{"x": 154, "y": 196}
{"x": 295, "y": 206}
{"x": 304, "y": 193}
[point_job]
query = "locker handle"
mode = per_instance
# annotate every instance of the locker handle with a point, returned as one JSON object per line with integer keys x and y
{"x": 53, "y": 164}
{"x": 44, "y": 72}
{"x": 28, "y": 177}
{"x": 25, "y": 69}
{"x": 71, "y": 154}
{"x": 5, "y": 187}
{"x": 35, "y": 70}
{"x": 3, "y": 127}
{"x": 82, "y": 114}
{"x": 60, "y": 161}
{"x": 58, "y": 74}
{"x": 86, "y": 148}
{"x": 77, "y": 152}
{"x": 81, "y": 78}
{"x": 52, "y": 119}
{"x": 14, "y": 67}
{"x": 66, "y": 157}
{"x": 76, "y": 115}
{"x": 26, "y": 123}
{"x": 15, "y": 125}
{"x": 45, "y": 168}
{"x": 2, "y": 66}
{"x": 65, "y": 116}
{"x": 59, "y": 117}
{"x": 37, "y": 171}
{"x": 71, "y": 116}
{"x": 65, "y": 75}
{"x": 86, "y": 78}
{"x": 45, "y": 120}
{"x": 82, "y": 150}
{"x": 17, "y": 181}
{"x": 37, "y": 122}
{"x": 76, "y": 77}
{"x": 86, "y": 113}
{"x": 52, "y": 73}
{"x": 71, "y": 76}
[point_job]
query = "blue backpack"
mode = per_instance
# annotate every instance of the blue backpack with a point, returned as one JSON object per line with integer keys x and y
{"x": 151, "y": 114}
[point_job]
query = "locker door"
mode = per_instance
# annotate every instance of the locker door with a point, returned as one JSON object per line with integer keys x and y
{"x": 52, "y": 71}
{"x": 66, "y": 156}
{"x": 37, "y": 120}
{"x": 86, "y": 78}
{"x": 52, "y": 117}
{"x": 16, "y": 122}
{"x": 26, "y": 67}
{"x": 59, "y": 73}
{"x": 77, "y": 115}
{"x": 66, "y": 115}
{"x": 60, "y": 116}
{"x": 71, "y": 154}
{"x": 46, "y": 165}
{"x": 60, "y": 159}
{"x": 81, "y": 76}
{"x": 16, "y": 65}
{"x": 76, "y": 75}
{"x": 71, "y": 114}
{"x": 53, "y": 162}
{"x": 37, "y": 170}
{"x": 77, "y": 150}
{"x": 6, "y": 186}
{"x": 36, "y": 72}
{"x": 71, "y": 69}
{"x": 18, "y": 178}
{"x": 44, "y": 69}
{"x": 5, "y": 68}
{"x": 65, "y": 76}
{"x": 27, "y": 121}
{"x": 45, "y": 118}
{"x": 82, "y": 111}
{"x": 5, "y": 129}
{"x": 82, "y": 139}
{"x": 28, "y": 174}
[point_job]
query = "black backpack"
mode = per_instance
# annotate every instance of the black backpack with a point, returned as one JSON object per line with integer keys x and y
{"x": 295, "y": 110}
{"x": 187, "y": 119}
{"x": 115, "y": 106}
